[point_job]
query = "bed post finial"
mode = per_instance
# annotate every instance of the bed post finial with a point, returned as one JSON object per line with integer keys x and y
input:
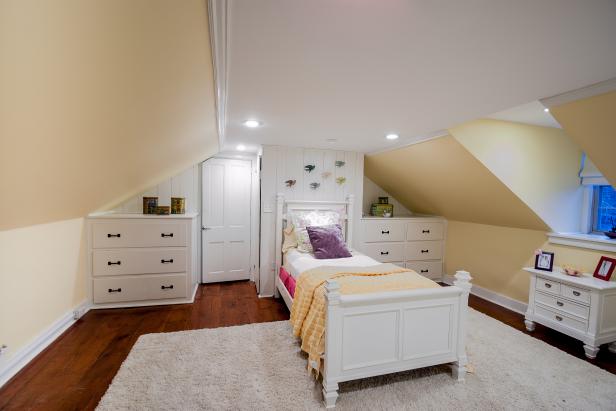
{"x": 332, "y": 292}
{"x": 463, "y": 280}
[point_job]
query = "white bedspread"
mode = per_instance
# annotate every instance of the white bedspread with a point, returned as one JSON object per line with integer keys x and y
{"x": 296, "y": 263}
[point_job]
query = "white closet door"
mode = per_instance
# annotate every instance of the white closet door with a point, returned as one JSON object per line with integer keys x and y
{"x": 226, "y": 220}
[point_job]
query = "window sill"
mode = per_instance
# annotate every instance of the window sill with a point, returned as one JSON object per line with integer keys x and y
{"x": 590, "y": 241}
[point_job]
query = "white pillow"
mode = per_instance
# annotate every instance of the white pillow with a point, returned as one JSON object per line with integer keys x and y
{"x": 310, "y": 218}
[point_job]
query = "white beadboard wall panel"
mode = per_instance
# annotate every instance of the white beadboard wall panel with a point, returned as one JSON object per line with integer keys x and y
{"x": 185, "y": 184}
{"x": 282, "y": 163}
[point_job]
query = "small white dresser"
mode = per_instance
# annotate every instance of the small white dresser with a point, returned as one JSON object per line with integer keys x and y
{"x": 137, "y": 259}
{"x": 581, "y": 307}
{"x": 417, "y": 243}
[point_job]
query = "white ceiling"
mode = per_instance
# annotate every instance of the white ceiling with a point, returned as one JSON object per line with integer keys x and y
{"x": 530, "y": 113}
{"x": 355, "y": 70}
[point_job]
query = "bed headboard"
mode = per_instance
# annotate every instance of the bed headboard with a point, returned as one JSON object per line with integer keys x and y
{"x": 286, "y": 207}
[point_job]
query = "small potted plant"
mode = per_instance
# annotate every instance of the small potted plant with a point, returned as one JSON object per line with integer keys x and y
{"x": 612, "y": 233}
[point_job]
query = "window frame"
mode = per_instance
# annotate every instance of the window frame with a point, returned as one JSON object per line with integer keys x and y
{"x": 594, "y": 209}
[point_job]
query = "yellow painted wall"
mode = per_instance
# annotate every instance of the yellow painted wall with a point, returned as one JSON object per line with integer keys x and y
{"x": 441, "y": 177}
{"x": 100, "y": 100}
{"x": 496, "y": 255}
{"x": 42, "y": 276}
{"x": 539, "y": 164}
{"x": 591, "y": 123}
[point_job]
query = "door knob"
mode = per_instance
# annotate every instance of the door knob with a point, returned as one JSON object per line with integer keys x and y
{"x": 206, "y": 228}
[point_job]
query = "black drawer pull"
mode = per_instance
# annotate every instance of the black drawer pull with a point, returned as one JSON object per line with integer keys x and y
{"x": 116, "y": 263}
{"x": 384, "y": 232}
{"x": 166, "y": 287}
{"x": 548, "y": 285}
{"x": 113, "y": 235}
{"x": 425, "y": 251}
{"x": 166, "y": 235}
{"x": 424, "y": 271}
{"x": 558, "y": 318}
{"x": 558, "y": 303}
{"x": 117, "y": 290}
{"x": 576, "y": 293}
{"x": 384, "y": 252}
{"x": 425, "y": 231}
{"x": 170, "y": 261}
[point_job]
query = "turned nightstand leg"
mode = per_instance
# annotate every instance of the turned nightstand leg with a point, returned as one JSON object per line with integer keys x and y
{"x": 591, "y": 351}
{"x": 530, "y": 325}
{"x": 612, "y": 347}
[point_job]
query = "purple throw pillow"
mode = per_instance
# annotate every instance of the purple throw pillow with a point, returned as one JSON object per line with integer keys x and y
{"x": 328, "y": 242}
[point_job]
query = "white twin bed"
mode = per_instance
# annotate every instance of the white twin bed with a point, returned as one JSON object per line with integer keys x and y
{"x": 382, "y": 332}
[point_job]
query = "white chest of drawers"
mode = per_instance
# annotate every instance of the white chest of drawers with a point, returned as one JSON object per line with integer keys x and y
{"x": 417, "y": 243}
{"x": 581, "y": 307}
{"x": 137, "y": 259}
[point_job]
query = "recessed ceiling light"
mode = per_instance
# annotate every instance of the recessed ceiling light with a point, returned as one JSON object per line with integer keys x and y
{"x": 392, "y": 136}
{"x": 240, "y": 147}
{"x": 252, "y": 123}
{"x": 547, "y": 110}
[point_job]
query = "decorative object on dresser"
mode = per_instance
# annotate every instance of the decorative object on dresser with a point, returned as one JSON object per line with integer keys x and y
{"x": 139, "y": 260}
{"x": 149, "y": 205}
{"x": 417, "y": 243}
{"x": 178, "y": 205}
{"x": 544, "y": 260}
{"x": 612, "y": 233}
{"x": 605, "y": 268}
{"x": 163, "y": 210}
{"x": 581, "y": 307}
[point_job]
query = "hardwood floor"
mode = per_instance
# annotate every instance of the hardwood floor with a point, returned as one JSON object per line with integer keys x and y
{"x": 74, "y": 372}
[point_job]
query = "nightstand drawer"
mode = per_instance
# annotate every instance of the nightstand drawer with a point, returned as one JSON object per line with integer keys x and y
{"x": 380, "y": 231}
{"x": 385, "y": 252}
{"x": 424, "y": 250}
{"x": 548, "y": 286}
{"x": 577, "y": 294}
{"x": 561, "y": 318}
{"x": 562, "y": 305}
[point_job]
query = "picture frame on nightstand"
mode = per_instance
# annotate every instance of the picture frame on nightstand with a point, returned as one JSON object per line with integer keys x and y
{"x": 605, "y": 268}
{"x": 544, "y": 261}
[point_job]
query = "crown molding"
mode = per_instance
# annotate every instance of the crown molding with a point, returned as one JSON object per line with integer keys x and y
{"x": 580, "y": 93}
{"x": 422, "y": 139}
{"x": 218, "y": 11}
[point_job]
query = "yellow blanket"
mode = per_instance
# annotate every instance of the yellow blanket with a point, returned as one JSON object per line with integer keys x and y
{"x": 309, "y": 305}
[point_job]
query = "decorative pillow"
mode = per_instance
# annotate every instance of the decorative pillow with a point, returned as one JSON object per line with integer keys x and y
{"x": 328, "y": 242}
{"x": 313, "y": 218}
{"x": 290, "y": 239}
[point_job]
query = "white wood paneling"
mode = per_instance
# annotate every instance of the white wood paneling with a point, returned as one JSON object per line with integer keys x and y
{"x": 282, "y": 163}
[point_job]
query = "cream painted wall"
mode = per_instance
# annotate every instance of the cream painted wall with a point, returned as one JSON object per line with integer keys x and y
{"x": 591, "y": 123}
{"x": 441, "y": 177}
{"x": 100, "y": 100}
{"x": 42, "y": 276}
{"x": 539, "y": 164}
{"x": 372, "y": 192}
{"x": 495, "y": 256}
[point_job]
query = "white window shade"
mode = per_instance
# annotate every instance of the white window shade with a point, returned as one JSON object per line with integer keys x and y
{"x": 590, "y": 174}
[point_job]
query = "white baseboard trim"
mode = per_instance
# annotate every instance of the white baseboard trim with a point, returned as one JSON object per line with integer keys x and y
{"x": 25, "y": 354}
{"x": 496, "y": 298}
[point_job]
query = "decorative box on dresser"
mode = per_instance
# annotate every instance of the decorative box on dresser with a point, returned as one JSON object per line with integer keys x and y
{"x": 137, "y": 259}
{"x": 581, "y": 307}
{"x": 417, "y": 243}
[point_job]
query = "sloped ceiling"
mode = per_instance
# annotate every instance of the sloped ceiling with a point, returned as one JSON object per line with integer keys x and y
{"x": 100, "y": 99}
{"x": 539, "y": 164}
{"x": 591, "y": 123}
{"x": 441, "y": 177}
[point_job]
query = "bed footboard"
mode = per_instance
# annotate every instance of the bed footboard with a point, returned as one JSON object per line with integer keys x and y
{"x": 381, "y": 333}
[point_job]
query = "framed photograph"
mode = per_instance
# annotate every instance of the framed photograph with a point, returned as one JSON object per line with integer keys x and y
{"x": 544, "y": 261}
{"x": 605, "y": 268}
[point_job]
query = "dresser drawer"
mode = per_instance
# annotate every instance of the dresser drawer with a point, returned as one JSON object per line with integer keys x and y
{"x": 547, "y": 286}
{"x": 385, "y": 252}
{"x": 430, "y": 269}
{"x": 562, "y": 305}
{"x": 138, "y": 261}
{"x": 574, "y": 293}
{"x": 379, "y": 231}
{"x": 138, "y": 288}
{"x": 424, "y": 231}
{"x": 122, "y": 233}
{"x": 559, "y": 317}
{"x": 424, "y": 250}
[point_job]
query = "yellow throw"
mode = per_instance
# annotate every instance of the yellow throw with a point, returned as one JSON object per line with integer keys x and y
{"x": 308, "y": 313}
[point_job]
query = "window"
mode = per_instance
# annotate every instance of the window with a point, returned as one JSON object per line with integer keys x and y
{"x": 604, "y": 208}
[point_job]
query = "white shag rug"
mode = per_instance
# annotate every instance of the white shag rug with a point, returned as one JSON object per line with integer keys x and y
{"x": 260, "y": 367}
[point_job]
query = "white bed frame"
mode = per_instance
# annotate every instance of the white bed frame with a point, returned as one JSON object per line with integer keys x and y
{"x": 385, "y": 332}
